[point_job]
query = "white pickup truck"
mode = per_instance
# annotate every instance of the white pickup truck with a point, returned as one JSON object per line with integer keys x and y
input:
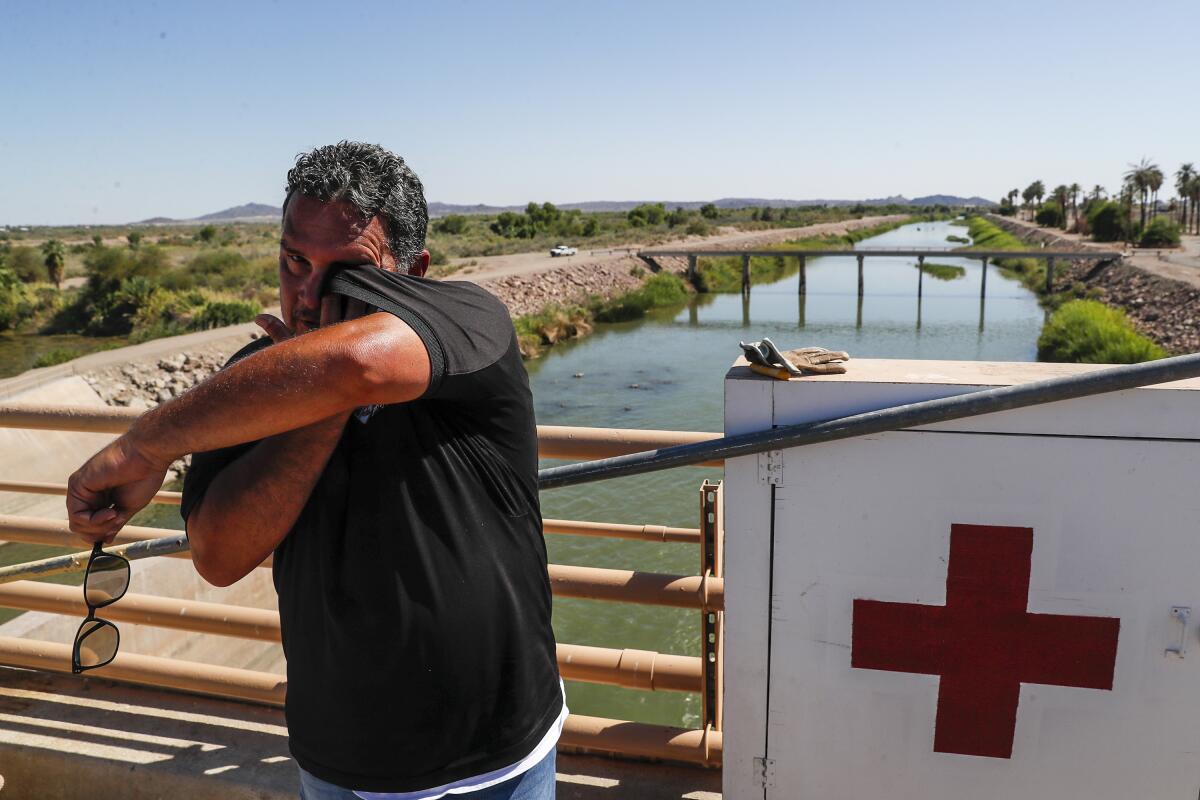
{"x": 562, "y": 250}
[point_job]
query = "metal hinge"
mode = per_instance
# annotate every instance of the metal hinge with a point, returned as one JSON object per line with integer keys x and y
{"x": 770, "y": 467}
{"x": 764, "y": 772}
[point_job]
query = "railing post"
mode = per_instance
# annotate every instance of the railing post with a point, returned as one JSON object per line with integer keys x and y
{"x": 860, "y": 275}
{"x": 983, "y": 281}
{"x": 1049, "y": 274}
{"x": 712, "y": 563}
{"x": 803, "y": 277}
{"x": 745, "y": 272}
{"x": 920, "y": 275}
{"x": 691, "y": 269}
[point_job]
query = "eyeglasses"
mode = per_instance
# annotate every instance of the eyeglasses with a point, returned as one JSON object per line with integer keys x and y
{"x": 105, "y": 583}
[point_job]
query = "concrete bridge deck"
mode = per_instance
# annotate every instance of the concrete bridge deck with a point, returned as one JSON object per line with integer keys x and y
{"x": 66, "y": 737}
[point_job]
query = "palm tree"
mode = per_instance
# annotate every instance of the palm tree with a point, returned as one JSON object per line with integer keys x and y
{"x": 1138, "y": 178}
{"x": 1155, "y": 182}
{"x": 1183, "y": 177}
{"x": 1194, "y": 195}
{"x": 1039, "y": 191}
{"x": 56, "y": 260}
{"x": 1098, "y": 192}
{"x": 1074, "y": 189}
{"x": 1060, "y": 196}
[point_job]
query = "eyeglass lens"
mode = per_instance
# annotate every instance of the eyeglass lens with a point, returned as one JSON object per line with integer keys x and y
{"x": 107, "y": 580}
{"x": 97, "y": 643}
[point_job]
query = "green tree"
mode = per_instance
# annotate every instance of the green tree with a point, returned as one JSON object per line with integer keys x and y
{"x": 1108, "y": 221}
{"x": 1049, "y": 214}
{"x": 1075, "y": 189}
{"x": 97, "y": 240}
{"x": 709, "y": 211}
{"x": 135, "y": 239}
{"x": 55, "y": 256}
{"x": 452, "y": 224}
{"x": 677, "y": 217}
{"x": 1061, "y": 194}
{"x": 206, "y": 234}
{"x": 647, "y": 214}
{"x": 1183, "y": 178}
{"x": 590, "y": 227}
{"x": 27, "y": 264}
{"x": 1139, "y": 178}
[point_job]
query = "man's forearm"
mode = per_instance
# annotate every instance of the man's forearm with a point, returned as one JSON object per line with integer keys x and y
{"x": 253, "y": 502}
{"x": 285, "y": 387}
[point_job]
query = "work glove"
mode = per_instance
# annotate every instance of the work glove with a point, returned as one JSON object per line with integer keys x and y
{"x": 766, "y": 359}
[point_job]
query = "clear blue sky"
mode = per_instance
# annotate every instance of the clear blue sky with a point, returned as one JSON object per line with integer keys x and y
{"x": 116, "y": 111}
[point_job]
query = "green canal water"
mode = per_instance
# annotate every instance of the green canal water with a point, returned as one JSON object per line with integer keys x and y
{"x": 666, "y": 371}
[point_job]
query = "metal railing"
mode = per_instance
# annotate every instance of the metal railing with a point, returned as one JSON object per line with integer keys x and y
{"x": 629, "y": 668}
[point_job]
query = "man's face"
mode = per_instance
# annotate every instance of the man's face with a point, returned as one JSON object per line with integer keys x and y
{"x": 320, "y": 237}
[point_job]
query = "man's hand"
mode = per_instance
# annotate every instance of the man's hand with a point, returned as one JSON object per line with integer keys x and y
{"x": 110, "y": 488}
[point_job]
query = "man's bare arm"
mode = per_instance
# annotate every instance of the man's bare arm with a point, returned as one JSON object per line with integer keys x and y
{"x": 374, "y": 359}
{"x": 254, "y": 501}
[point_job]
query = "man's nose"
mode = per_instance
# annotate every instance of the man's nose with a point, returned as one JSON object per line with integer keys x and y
{"x": 309, "y": 296}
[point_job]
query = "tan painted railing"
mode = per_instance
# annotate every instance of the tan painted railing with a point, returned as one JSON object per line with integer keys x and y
{"x": 554, "y": 441}
{"x": 636, "y": 669}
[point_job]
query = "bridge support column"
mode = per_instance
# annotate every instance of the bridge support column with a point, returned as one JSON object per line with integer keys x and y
{"x": 920, "y": 275}
{"x": 803, "y": 276}
{"x": 983, "y": 281}
{"x": 860, "y": 278}
{"x": 745, "y": 272}
{"x": 691, "y": 269}
{"x": 1049, "y": 274}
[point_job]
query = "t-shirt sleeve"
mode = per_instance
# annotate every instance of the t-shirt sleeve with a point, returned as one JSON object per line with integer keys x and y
{"x": 206, "y": 466}
{"x": 465, "y": 329}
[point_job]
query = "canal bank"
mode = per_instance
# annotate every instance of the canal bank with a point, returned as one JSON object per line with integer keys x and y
{"x": 1165, "y": 310}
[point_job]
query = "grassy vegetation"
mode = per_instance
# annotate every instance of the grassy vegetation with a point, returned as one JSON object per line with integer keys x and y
{"x": 1087, "y": 331}
{"x": 725, "y": 274}
{"x": 986, "y": 236}
{"x": 58, "y": 355}
{"x": 943, "y": 272}
{"x": 958, "y": 239}
{"x": 558, "y": 323}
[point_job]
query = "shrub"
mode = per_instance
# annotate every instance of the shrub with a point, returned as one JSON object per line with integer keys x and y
{"x": 658, "y": 291}
{"x": 1087, "y": 331}
{"x": 55, "y": 356}
{"x": 709, "y": 211}
{"x": 16, "y": 305}
{"x": 1050, "y": 215}
{"x": 219, "y": 313}
{"x": 647, "y": 214}
{"x": 697, "y": 227}
{"x": 1108, "y": 222}
{"x": 206, "y": 234}
{"x": 1160, "y": 232}
{"x": 27, "y": 263}
{"x": 958, "y": 239}
{"x": 452, "y": 224}
{"x": 943, "y": 272}
{"x": 437, "y": 257}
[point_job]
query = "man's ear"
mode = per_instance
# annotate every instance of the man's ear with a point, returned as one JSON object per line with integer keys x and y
{"x": 420, "y": 264}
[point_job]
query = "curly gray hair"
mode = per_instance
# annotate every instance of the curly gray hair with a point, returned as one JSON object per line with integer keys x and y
{"x": 373, "y": 180}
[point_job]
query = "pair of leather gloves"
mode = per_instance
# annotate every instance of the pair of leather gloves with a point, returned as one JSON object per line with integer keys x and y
{"x": 766, "y": 359}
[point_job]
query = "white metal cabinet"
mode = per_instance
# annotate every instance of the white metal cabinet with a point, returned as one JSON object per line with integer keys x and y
{"x": 857, "y": 541}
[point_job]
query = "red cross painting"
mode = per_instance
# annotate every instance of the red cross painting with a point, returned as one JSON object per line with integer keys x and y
{"x": 983, "y": 643}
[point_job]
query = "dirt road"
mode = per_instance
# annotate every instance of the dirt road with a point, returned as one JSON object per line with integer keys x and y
{"x": 1182, "y": 264}
{"x": 523, "y": 264}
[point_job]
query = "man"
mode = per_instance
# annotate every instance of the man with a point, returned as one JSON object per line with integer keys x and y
{"x": 389, "y": 460}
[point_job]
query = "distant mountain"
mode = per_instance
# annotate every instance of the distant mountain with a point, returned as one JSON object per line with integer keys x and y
{"x": 242, "y": 212}
{"x": 249, "y": 212}
{"x": 442, "y": 209}
{"x": 260, "y": 212}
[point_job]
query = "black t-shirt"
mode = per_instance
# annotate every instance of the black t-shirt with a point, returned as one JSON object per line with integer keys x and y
{"x": 413, "y": 593}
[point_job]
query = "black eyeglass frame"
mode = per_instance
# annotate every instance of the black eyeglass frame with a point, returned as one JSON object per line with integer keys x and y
{"x": 91, "y": 619}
